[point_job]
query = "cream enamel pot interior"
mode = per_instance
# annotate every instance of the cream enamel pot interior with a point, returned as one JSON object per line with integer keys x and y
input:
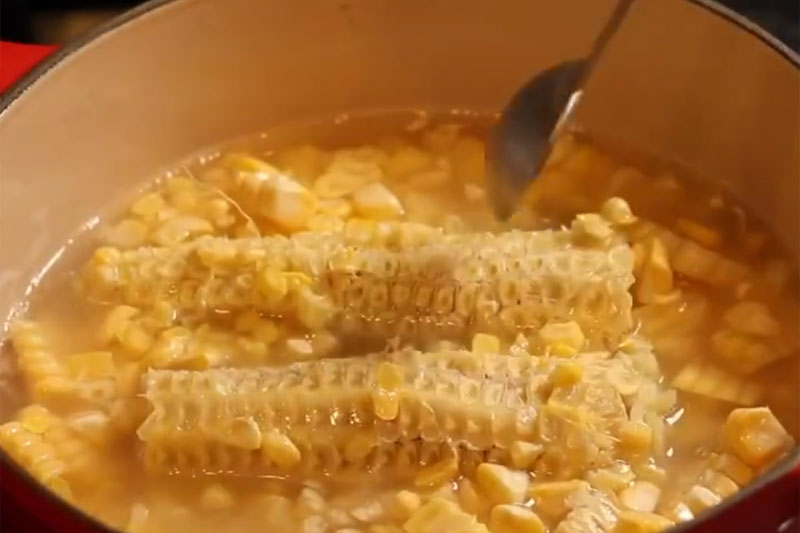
{"x": 685, "y": 80}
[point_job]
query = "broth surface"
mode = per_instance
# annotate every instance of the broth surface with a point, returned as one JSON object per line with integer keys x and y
{"x": 114, "y": 394}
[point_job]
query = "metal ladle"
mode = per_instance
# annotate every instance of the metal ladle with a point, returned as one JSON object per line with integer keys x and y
{"x": 522, "y": 138}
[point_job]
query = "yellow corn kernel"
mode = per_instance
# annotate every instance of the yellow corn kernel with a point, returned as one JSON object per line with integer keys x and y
{"x": 304, "y": 161}
{"x": 216, "y": 497}
{"x": 442, "y": 516}
{"x": 515, "y": 519}
{"x": 95, "y": 426}
{"x": 273, "y": 285}
{"x": 617, "y": 211}
{"x": 338, "y": 208}
{"x": 551, "y": 497}
{"x": 285, "y": 202}
{"x": 404, "y": 504}
{"x": 562, "y": 337}
{"x": 441, "y": 138}
{"x": 180, "y": 228}
{"x": 699, "y": 233}
{"x": 338, "y": 183}
{"x": 148, "y": 205}
{"x": 640, "y": 496}
{"x": 408, "y": 160}
{"x": 91, "y": 365}
{"x": 754, "y": 318}
{"x": 733, "y": 467}
{"x": 566, "y": 374}
{"x": 756, "y": 436}
{"x": 280, "y": 449}
{"x": 591, "y": 228}
{"x": 386, "y": 404}
{"x": 438, "y": 473}
{"x": 502, "y": 485}
{"x": 700, "y": 498}
{"x": 678, "y": 512}
{"x": 485, "y": 343}
{"x": 36, "y": 419}
{"x": 719, "y": 483}
{"x": 275, "y": 510}
{"x": 708, "y": 380}
{"x": 128, "y": 233}
{"x": 636, "y": 436}
{"x": 524, "y": 454}
{"x": 469, "y": 498}
{"x": 325, "y": 223}
{"x": 371, "y": 511}
{"x": 390, "y": 376}
{"x": 638, "y": 522}
{"x": 116, "y": 319}
{"x": 611, "y": 479}
{"x": 243, "y": 433}
{"x": 655, "y": 279}
{"x": 309, "y": 502}
{"x": 135, "y": 338}
{"x": 377, "y": 202}
{"x": 742, "y": 352}
{"x": 314, "y": 311}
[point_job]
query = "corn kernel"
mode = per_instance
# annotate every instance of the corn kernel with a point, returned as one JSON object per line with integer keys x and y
{"x": 655, "y": 278}
{"x": 386, "y": 404}
{"x": 636, "y": 436}
{"x": 286, "y": 203}
{"x": 524, "y": 454}
{"x": 756, "y": 436}
{"x": 405, "y": 503}
{"x": 720, "y": 484}
{"x": 563, "y": 337}
{"x": 617, "y": 211}
{"x": 700, "y": 498}
{"x": 638, "y": 522}
{"x": 390, "y": 376}
{"x": 438, "y": 473}
{"x": 502, "y": 485}
{"x": 591, "y": 228}
{"x": 359, "y": 446}
{"x": 313, "y": 310}
{"x": 304, "y": 161}
{"x": 368, "y": 512}
{"x": 180, "y": 228}
{"x": 242, "y": 433}
{"x": 442, "y": 516}
{"x": 754, "y": 318}
{"x": 128, "y": 233}
{"x": 611, "y": 479}
{"x": 309, "y": 502}
{"x": 641, "y": 496}
{"x": 566, "y": 374}
{"x": 148, "y": 205}
{"x": 469, "y": 498}
{"x": 515, "y": 519}
{"x": 377, "y": 202}
{"x": 733, "y": 467}
{"x": 280, "y": 449}
{"x": 551, "y": 497}
{"x": 91, "y": 365}
{"x": 217, "y": 498}
{"x": 408, "y": 160}
{"x": 699, "y": 233}
{"x": 484, "y": 343}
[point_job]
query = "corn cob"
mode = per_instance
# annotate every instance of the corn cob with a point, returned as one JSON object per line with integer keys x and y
{"x": 447, "y": 286}
{"x": 402, "y": 410}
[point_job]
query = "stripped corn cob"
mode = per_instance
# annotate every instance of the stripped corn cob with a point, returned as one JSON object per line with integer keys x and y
{"x": 448, "y": 284}
{"x": 401, "y": 411}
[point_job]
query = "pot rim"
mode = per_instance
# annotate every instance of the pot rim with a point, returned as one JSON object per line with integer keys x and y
{"x": 780, "y": 470}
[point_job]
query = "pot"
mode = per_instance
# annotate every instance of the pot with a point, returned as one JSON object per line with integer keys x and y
{"x": 689, "y": 81}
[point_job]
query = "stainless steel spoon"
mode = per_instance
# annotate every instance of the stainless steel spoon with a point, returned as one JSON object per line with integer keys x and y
{"x": 521, "y": 141}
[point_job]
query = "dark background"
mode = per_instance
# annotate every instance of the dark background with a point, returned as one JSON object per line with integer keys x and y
{"x": 55, "y": 22}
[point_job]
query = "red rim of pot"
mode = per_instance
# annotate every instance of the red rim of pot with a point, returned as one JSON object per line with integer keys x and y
{"x": 780, "y": 484}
